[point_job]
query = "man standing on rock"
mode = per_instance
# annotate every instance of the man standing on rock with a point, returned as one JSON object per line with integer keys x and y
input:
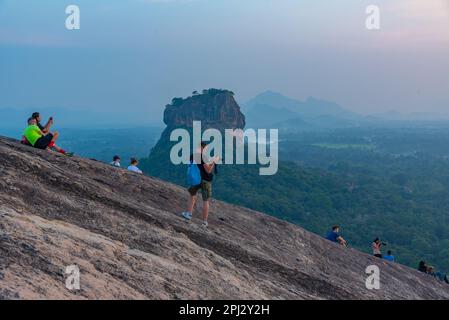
{"x": 206, "y": 170}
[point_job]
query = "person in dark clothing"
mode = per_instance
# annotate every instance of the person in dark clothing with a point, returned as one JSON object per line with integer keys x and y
{"x": 437, "y": 274}
{"x": 422, "y": 266}
{"x": 46, "y": 128}
{"x": 206, "y": 168}
{"x": 334, "y": 236}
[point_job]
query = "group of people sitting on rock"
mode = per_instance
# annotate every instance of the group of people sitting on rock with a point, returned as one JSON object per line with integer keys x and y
{"x": 334, "y": 236}
{"x": 132, "y": 166}
{"x": 39, "y": 136}
{"x": 423, "y": 267}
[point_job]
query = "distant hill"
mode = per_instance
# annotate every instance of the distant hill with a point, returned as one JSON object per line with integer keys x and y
{"x": 274, "y": 109}
{"x": 263, "y": 115}
{"x": 308, "y": 108}
{"x": 215, "y": 109}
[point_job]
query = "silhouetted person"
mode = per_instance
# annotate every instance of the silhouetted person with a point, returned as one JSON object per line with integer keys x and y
{"x": 422, "y": 266}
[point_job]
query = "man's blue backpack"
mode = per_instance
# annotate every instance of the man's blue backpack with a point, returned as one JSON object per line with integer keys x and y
{"x": 193, "y": 175}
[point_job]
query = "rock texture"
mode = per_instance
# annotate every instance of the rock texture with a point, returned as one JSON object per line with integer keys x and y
{"x": 124, "y": 232}
{"x": 214, "y": 108}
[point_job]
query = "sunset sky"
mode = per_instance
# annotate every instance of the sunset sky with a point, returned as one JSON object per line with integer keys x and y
{"x": 135, "y": 55}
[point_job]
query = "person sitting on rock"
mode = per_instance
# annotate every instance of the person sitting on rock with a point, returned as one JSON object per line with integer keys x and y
{"x": 116, "y": 161}
{"x": 133, "y": 166}
{"x": 46, "y": 129}
{"x": 334, "y": 236}
{"x": 437, "y": 274}
{"x": 37, "y": 138}
{"x": 422, "y": 266}
{"x": 389, "y": 256}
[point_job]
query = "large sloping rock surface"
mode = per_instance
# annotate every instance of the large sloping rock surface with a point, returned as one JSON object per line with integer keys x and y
{"x": 124, "y": 232}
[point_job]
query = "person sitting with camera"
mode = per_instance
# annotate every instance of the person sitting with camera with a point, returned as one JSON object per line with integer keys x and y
{"x": 377, "y": 244}
{"x": 45, "y": 130}
{"x": 36, "y": 137}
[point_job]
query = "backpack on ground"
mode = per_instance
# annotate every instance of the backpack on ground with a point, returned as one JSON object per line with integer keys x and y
{"x": 193, "y": 174}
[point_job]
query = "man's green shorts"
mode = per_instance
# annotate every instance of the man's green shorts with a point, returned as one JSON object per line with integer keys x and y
{"x": 206, "y": 190}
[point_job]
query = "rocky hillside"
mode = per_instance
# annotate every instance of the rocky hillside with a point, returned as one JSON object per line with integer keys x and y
{"x": 124, "y": 232}
{"x": 214, "y": 108}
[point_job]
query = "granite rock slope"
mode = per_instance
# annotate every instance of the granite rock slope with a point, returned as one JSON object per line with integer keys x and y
{"x": 125, "y": 233}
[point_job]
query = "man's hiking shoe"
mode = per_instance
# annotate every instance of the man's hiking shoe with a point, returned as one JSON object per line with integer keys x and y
{"x": 187, "y": 215}
{"x": 205, "y": 224}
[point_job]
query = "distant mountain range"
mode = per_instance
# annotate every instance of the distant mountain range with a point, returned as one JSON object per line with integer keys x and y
{"x": 274, "y": 110}
{"x": 311, "y": 107}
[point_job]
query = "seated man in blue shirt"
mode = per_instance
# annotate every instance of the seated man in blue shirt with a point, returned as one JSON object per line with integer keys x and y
{"x": 389, "y": 256}
{"x": 334, "y": 236}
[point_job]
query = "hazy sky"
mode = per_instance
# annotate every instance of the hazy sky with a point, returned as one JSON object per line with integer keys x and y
{"x": 133, "y": 56}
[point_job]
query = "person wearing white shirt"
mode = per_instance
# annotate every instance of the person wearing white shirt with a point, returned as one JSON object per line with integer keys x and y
{"x": 133, "y": 166}
{"x": 115, "y": 161}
